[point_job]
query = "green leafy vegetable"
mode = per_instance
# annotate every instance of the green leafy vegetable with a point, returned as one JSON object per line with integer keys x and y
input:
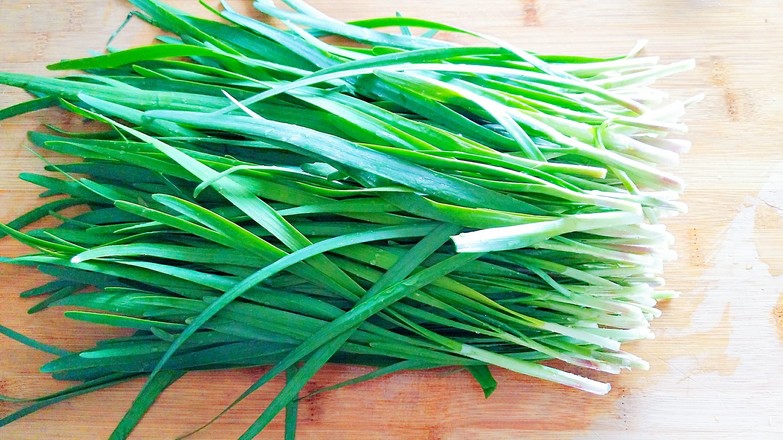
{"x": 262, "y": 196}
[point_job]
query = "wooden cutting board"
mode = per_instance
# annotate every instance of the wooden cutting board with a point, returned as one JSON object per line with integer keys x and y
{"x": 717, "y": 362}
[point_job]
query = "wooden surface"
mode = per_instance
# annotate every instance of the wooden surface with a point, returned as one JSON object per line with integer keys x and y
{"x": 718, "y": 357}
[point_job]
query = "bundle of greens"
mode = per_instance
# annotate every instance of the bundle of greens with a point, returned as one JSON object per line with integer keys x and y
{"x": 324, "y": 192}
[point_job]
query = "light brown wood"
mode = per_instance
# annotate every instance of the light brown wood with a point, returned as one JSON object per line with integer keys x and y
{"x": 716, "y": 362}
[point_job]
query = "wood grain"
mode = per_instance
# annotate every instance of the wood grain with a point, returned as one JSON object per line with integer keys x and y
{"x": 716, "y": 362}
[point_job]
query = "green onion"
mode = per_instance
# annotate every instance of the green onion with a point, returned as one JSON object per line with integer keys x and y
{"x": 260, "y": 196}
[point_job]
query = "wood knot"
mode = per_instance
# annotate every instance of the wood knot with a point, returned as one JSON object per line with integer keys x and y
{"x": 530, "y": 11}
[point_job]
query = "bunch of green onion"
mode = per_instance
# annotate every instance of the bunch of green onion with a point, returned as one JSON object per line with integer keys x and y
{"x": 265, "y": 196}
